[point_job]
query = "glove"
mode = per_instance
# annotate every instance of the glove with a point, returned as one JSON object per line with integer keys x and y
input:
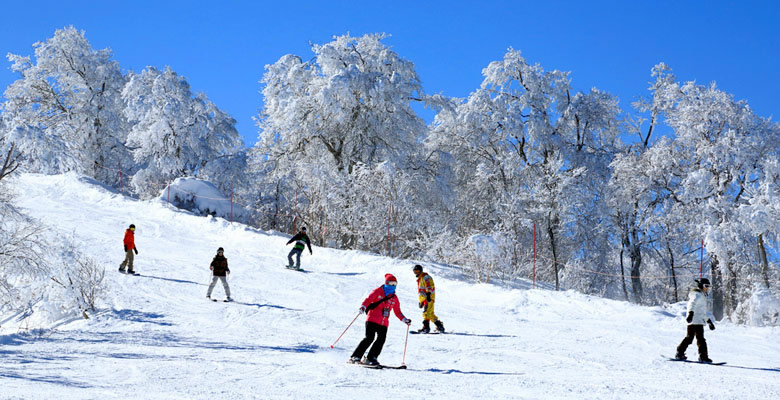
{"x": 690, "y": 317}
{"x": 136, "y": 251}
{"x": 211, "y": 268}
{"x": 712, "y": 326}
{"x": 362, "y": 309}
{"x": 407, "y": 321}
{"x": 125, "y": 248}
{"x": 423, "y": 304}
{"x": 428, "y": 297}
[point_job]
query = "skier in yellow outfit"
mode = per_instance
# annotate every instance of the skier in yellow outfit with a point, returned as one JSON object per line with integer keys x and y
{"x": 427, "y": 296}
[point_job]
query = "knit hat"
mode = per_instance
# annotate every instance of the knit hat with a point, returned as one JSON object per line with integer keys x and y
{"x": 390, "y": 278}
{"x": 220, "y": 249}
{"x": 132, "y": 226}
{"x": 702, "y": 281}
{"x": 303, "y": 229}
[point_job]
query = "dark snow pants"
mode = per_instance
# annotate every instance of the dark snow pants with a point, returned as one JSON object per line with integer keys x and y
{"x": 372, "y": 329}
{"x": 296, "y": 252}
{"x": 698, "y": 332}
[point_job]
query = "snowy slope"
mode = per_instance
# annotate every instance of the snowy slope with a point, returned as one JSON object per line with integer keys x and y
{"x": 157, "y": 337}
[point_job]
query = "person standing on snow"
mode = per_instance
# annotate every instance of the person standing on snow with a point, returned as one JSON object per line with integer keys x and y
{"x": 219, "y": 266}
{"x": 377, "y": 307}
{"x": 129, "y": 242}
{"x": 426, "y": 291}
{"x": 301, "y": 241}
{"x": 698, "y": 315}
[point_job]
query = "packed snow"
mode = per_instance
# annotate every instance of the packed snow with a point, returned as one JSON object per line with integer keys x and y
{"x": 156, "y": 336}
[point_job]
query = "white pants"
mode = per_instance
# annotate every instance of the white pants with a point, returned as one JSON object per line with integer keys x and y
{"x": 214, "y": 283}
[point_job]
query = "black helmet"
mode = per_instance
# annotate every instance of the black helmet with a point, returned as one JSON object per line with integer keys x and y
{"x": 220, "y": 249}
{"x": 701, "y": 282}
{"x": 131, "y": 226}
{"x": 303, "y": 229}
{"x": 417, "y": 267}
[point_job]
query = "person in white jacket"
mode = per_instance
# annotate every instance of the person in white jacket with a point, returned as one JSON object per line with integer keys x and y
{"x": 698, "y": 316}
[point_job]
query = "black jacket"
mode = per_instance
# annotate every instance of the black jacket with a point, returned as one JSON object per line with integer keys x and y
{"x": 301, "y": 236}
{"x": 220, "y": 265}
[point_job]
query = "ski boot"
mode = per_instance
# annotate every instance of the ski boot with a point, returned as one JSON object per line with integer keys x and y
{"x": 122, "y": 269}
{"x": 353, "y": 360}
{"x": 703, "y": 358}
{"x": 439, "y": 326}
{"x": 371, "y": 362}
{"x": 680, "y": 356}
{"x": 426, "y": 327}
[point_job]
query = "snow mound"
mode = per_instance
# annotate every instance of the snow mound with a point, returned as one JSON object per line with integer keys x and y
{"x": 200, "y": 197}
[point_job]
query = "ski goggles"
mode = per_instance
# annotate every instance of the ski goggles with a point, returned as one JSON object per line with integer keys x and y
{"x": 391, "y": 283}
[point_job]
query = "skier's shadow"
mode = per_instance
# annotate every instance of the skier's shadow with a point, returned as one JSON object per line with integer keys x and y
{"x": 457, "y": 371}
{"x": 752, "y": 368}
{"x": 480, "y": 335}
{"x": 171, "y": 280}
{"x": 266, "y": 306}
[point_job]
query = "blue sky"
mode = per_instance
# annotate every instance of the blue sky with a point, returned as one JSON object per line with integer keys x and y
{"x": 223, "y": 46}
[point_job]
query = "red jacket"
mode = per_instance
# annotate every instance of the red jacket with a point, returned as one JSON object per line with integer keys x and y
{"x": 381, "y": 313}
{"x": 129, "y": 239}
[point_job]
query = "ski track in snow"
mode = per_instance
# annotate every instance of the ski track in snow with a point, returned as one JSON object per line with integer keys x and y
{"x": 157, "y": 337}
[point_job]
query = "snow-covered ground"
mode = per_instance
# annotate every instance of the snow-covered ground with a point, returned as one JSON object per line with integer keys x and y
{"x": 157, "y": 337}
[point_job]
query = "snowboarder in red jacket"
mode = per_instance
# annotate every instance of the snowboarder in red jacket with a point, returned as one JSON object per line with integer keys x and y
{"x": 377, "y": 307}
{"x": 129, "y": 242}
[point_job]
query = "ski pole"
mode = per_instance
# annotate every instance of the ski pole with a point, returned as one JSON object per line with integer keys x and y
{"x": 345, "y": 330}
{"x": 403, "y": 362}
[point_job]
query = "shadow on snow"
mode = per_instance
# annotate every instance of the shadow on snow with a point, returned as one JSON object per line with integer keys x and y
{"x": 457, "y": 371}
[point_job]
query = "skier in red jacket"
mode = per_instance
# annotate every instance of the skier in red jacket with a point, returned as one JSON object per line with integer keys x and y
{"x": 129, "y": 242}
{"x": 377, "y": 307}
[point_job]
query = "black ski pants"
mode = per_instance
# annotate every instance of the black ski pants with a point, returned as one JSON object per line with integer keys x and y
{"x": 372, "y": 329}
{"x": 698, "y": 332}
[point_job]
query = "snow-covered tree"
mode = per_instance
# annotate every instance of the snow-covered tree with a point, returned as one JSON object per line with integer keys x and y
{"x": 525, "y": 149}
{"x": 174, "y": 133}
{"x": 65, "y": 112}
{"x": 694, "y": 183}
{"x": 347, "y": 109}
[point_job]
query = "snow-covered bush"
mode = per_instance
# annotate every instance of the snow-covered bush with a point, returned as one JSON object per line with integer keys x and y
{"x": 760, "y": 309}
{"x": 82, "y": 281}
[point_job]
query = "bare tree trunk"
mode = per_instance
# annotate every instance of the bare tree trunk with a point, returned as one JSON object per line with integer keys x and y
{"x": 554, "y": 250}
{"x": 635, "y": 253}
{"x": 623, "y": 274}
{"x": 671, "y": 269}
{"x": 717, "y": 288}
{"x": 730, "y": 298}
{"x": 762, "y": 259}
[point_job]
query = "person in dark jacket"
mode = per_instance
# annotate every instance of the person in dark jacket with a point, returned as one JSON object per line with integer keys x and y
{"x": 219, "y": 268}
{"x": 301, "y": 241}
{"x": 129, "y": 243}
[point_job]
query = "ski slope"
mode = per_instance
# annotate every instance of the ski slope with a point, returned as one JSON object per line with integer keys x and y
{"x": 158, "y": 337}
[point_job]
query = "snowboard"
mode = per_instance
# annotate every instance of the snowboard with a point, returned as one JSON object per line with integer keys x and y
{"x": 429, "y": 333}
{"x": 693, "y": 361}
{"x": 295, "y": 269}
{"x": 128, "y": 273}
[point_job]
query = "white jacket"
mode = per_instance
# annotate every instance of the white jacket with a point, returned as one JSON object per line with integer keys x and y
{"x": 697, "y": 302}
